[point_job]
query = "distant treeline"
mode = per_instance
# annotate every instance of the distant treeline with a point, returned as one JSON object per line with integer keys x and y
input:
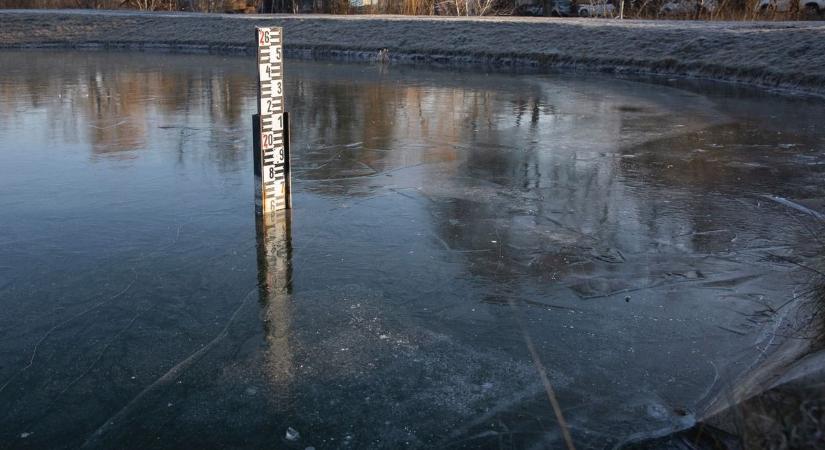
{"x": 407, "y": 7}
{"x": 146, "y": 5}
{"x": 693, "y": 9}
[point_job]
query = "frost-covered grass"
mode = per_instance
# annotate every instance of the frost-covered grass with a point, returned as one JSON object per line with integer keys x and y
{"x": 787, "y": 55}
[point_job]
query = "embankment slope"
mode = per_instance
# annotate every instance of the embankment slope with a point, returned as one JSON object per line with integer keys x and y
{"x": 778, "y": 55}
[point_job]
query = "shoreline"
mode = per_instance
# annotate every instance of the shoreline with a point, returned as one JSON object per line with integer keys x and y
{"x": 775, "y": 56}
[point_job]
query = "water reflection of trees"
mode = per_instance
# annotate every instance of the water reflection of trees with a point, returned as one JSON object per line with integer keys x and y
{"x": 120, "y": 104}
{"x": 537, "y": 168}
{"x": 355, "y": 130}
{"x": 565, "y": 164}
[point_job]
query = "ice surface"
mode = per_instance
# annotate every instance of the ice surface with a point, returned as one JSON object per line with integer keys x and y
{"x": 445, "y": 223}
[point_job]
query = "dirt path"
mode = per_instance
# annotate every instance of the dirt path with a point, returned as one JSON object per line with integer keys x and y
{"x": 783, "y": 55}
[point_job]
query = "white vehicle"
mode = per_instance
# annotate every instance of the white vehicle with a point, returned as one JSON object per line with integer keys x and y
{"x": 685, "y": 7}
{"x": 603, "y": 9}
{"x": 812, "y": 7}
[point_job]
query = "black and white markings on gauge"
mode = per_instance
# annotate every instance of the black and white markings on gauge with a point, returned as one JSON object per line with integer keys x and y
{"x": 272, "y": 127}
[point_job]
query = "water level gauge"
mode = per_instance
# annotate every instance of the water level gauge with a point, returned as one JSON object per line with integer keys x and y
{"x": 271, "y": 125}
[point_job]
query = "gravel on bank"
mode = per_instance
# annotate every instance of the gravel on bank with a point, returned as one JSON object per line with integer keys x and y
{"x": 778, "y": 55}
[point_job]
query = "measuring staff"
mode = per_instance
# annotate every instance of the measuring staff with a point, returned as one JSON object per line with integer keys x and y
{"x": 271, "y": 126}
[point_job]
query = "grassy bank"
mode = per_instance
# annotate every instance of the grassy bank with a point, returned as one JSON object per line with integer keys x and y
{"x": 783, "y": 55}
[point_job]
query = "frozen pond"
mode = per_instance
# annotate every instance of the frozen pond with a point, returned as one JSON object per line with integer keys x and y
{"x": 455, "y": 236}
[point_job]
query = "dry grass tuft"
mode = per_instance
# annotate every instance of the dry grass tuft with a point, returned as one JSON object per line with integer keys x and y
{"x": 792, "y": 415}
{"x": 788, "y": 417}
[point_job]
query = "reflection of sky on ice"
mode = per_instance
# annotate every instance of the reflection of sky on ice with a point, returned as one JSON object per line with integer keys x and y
{"x": 441, "y": 218}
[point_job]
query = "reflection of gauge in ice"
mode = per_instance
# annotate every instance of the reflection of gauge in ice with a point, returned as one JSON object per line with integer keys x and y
{"x": 275, "y": 281}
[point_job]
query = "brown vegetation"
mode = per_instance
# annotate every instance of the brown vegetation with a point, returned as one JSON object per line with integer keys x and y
{"x": 145, "y": 5}
{"x": 629, "y": 9}
{"x": 637, "y": 9}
